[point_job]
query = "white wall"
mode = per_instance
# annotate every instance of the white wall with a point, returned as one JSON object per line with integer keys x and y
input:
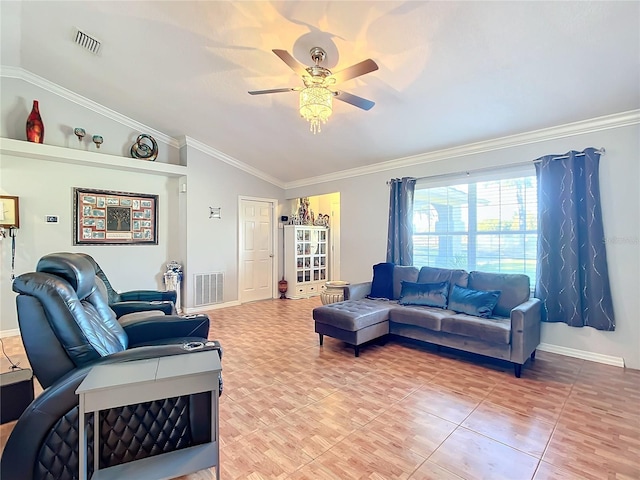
{"x": 46, "y": 188}
{"x": 186, "y": 234}
{"x": 364, "y": 206}
{"x": 212, "y": 244}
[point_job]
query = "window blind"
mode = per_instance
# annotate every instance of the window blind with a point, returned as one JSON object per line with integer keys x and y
{"x": 485, "y": 221}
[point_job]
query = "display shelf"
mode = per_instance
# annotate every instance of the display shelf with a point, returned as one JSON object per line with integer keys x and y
{"x": 306, "y": 260}
{"x": 53, "y": 153}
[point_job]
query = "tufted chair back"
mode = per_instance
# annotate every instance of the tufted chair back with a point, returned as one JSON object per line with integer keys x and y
{"x": 60, "y": 306}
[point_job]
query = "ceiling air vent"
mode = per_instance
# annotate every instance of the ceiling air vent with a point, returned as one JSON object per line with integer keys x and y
{"x": 87, "y": 41}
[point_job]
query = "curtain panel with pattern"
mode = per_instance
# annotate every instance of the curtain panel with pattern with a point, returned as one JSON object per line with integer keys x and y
{"x": 400, "y": 234}
{"x": 572, "y": 276}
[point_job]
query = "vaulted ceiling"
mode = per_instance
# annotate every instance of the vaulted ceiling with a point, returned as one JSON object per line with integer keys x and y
{"x": 450, "y": 73}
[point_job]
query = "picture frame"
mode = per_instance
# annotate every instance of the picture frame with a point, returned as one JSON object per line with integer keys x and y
{"x": 9, "y": 211}
{"x": 106, "y": 217}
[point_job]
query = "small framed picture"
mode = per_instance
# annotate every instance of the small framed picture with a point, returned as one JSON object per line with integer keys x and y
{"x": 9, "y": 211}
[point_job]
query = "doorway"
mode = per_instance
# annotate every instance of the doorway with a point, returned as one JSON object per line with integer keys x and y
{"x": 256, "y": 272}
{"x": 328, "y": 204}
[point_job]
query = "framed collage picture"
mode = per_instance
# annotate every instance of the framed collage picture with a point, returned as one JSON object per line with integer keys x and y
{"x": 103, "y": 217}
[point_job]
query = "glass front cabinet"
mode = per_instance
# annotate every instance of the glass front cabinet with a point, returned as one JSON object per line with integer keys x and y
{"x": 306, "y": 253}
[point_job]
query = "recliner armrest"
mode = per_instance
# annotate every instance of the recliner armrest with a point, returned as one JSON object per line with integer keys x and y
{"x": 357, "y": 291}
{"x": 24, "y": 445}
{"x": 150, "y": 329}
{"x": 124, "y": 308}
{"x": 149, "y": 296}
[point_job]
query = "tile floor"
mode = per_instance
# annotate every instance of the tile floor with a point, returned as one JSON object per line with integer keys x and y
{"x": 294, "y": 410}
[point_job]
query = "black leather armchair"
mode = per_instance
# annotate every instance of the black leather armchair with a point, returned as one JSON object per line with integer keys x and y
{"x": 135, "y": 300}
{"x": 67, "y": 328}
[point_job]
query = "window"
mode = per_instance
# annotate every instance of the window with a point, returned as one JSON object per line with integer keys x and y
{"x": 482, "y": 224}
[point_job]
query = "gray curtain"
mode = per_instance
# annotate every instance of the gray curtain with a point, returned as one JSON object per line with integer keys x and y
{"x": 400, "y": 237}
{"x": 572, "y": 277}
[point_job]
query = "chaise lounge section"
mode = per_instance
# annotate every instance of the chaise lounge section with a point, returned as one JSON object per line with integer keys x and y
{"x": 490, "y": 314}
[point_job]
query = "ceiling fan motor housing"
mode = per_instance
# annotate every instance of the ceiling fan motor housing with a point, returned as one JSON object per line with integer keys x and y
{"x": 317, "y": 55}
{"x": 317, "y": 73}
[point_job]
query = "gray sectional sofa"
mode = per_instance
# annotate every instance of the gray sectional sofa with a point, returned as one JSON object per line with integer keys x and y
{"x": 430, "y": 305}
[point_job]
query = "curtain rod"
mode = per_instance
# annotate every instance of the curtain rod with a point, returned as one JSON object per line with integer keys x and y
{"x": 601, "y": 151}
{"x": 469, "y": 172}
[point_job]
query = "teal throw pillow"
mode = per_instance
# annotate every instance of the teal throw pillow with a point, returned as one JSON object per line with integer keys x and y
{"x": 473, "y": 302}
{"x": 424, "y": 294}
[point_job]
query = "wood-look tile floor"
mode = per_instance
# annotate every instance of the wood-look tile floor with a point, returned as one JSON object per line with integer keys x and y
{"x": 294, "y": 410}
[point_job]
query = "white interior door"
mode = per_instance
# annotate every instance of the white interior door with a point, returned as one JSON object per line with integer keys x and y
{"x": 256, "y": 250}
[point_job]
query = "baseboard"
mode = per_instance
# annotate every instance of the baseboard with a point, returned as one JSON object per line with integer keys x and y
{"x": 215, "y": 306}
{"x": 575, "y": 353}
{"x": 14, "y": 332}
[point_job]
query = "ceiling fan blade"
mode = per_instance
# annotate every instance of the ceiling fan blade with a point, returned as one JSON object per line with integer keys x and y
{"x": 354, "y": 100}
{"x": 366, "y": 66}
{"x": 273, "y": 90}
{"x": 287, "y": 58}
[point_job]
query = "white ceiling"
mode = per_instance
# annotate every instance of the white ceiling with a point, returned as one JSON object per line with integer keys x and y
{"x": 451, "y": 73}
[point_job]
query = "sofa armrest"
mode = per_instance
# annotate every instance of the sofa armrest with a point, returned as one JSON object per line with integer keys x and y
{"x": 357, "y": 291}
{"x": 525, "y": 329}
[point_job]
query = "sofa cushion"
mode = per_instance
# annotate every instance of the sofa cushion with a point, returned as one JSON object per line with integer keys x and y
{"x": 382, "y": 284}
{"x": 434, "y": 275}
{"x": 473, "y": 302}
{"x": 424, "y": 294}
{"x": 514, "y": 288}
{"x": 494, "y": 330}
{"x": 425, "y": 317}
{"x": 403, "y": 273}
{"x": 353, "y": 315}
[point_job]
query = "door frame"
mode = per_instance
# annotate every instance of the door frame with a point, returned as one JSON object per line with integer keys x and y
{"x": 334, "y": 233}
{"x": 274, "y": 243}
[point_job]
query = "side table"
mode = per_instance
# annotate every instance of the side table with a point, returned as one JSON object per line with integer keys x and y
{"x": 333, "y": 291}
{"x": 16, "y": 393}
{"x": 126, "y": 383}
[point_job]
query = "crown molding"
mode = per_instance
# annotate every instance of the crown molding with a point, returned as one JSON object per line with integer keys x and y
{"x": 32, "y": 78}
{"x": 605, "y": 122}
{"x": 223, "y": 157}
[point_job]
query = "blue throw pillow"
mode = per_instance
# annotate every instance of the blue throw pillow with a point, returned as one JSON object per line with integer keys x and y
{"x": 473, "y": 302}
{"x": 424, "y": 294}
{"x": 382, "y": 285}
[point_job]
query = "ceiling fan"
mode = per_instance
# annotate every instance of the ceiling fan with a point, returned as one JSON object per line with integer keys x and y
{"x": 316, "y": 96}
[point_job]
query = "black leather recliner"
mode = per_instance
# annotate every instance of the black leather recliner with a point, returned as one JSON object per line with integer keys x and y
{"x": 67, "y": 328}
{"x": 135, "y": 300}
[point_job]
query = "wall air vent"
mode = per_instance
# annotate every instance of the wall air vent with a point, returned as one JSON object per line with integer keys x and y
{"x": 208, "y": 288}
{"x": 87, "y": 41}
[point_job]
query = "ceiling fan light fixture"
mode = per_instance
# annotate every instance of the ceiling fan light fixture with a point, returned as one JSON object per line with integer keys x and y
{"x": 316, "y": 104}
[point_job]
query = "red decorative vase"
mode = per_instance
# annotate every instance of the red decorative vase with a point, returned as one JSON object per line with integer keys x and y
{"x": 35, "y": 127}
{"x": 282, "y": 288}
